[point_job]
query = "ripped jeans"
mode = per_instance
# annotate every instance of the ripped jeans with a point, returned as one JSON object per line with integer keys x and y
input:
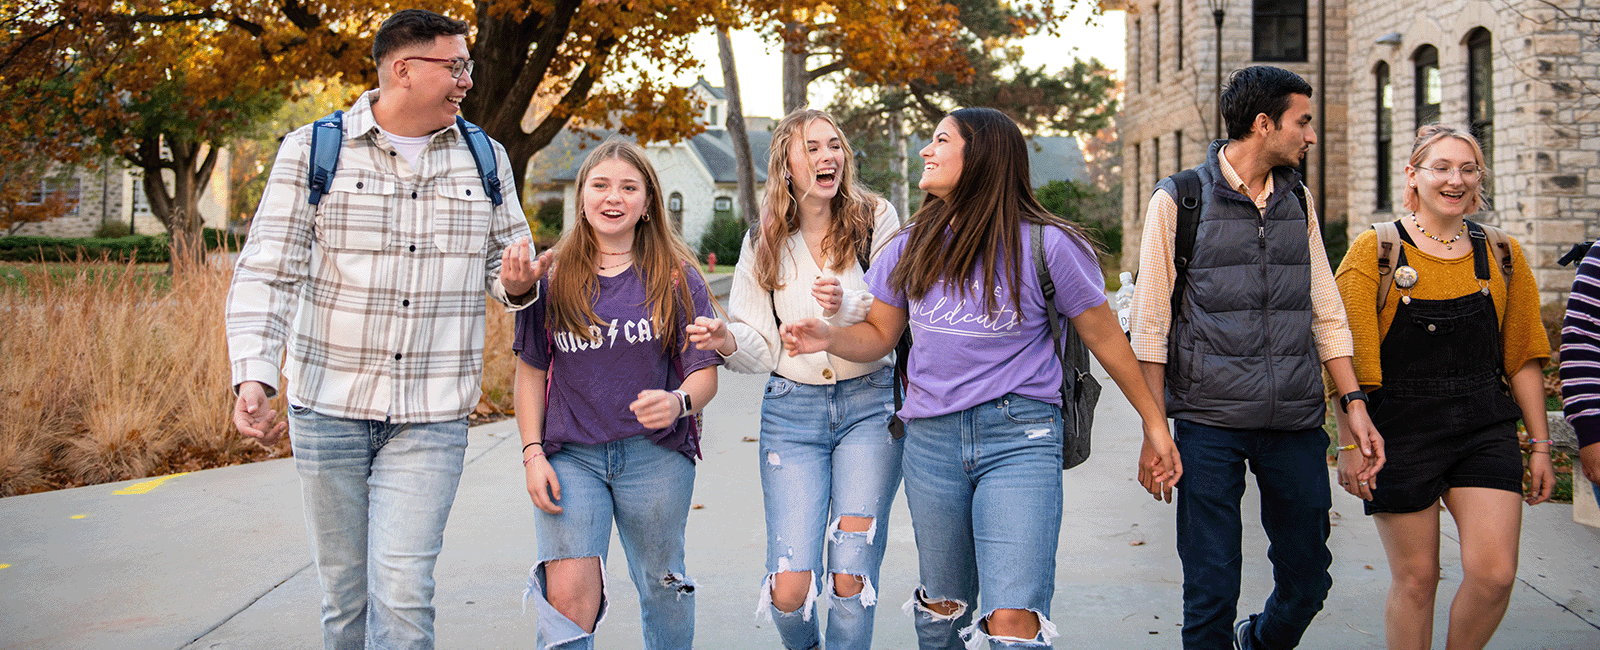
{"x": 826, "y": 453}
{"x": 646, "y": 488}
{"x": 984, "y": 489}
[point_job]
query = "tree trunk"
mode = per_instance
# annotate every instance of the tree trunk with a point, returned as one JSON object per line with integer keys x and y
{"x": 899, "y": 193}
{"x": 178, "y": 209}
{"x": 795, "y": 78}
{"x": 741, "y": 139}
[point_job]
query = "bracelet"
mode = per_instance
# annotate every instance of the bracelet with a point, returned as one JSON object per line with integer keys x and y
{"x": 529, "y": 459}
{"x": 536, "y": 442}
{"x": 1349, "y": 447}
{"x": 1539, "y": 451}
{"x": 1531, "y": 441}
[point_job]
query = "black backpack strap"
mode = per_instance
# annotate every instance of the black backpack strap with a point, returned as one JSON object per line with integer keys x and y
{"x": 1187, "y": 184}
{"x": 483, "y": 155}
{"x": 327, "y": 137}
{"x": 1480, "y": 252}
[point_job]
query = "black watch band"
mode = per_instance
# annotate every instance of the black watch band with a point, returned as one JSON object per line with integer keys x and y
{"x": 1347, "y": 398}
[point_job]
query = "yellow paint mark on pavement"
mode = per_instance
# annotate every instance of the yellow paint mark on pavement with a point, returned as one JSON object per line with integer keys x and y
{"x": 78, "y": 516}
{"x": 146, "y": 486}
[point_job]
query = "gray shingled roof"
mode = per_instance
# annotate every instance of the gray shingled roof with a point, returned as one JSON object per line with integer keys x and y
{"x": 566, "y": 152}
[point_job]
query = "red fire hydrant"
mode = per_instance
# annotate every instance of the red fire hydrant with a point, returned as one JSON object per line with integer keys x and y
{"x": 711, "y": 262}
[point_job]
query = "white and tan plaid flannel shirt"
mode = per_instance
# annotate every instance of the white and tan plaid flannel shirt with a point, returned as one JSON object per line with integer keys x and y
{"x": 378, "y": 292}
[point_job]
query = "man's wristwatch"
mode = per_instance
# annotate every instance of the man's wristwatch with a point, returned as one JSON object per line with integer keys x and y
{"x": 684, "y": 403}
{"x": 1347, "y": 398}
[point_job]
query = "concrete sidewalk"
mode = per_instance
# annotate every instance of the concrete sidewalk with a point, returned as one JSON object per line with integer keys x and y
{"x": 219, "y": 559}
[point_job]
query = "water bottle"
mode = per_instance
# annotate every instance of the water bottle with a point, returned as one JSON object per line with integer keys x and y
{"x": 1123, "y": 300}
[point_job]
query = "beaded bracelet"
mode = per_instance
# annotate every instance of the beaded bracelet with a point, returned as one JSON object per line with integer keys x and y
{"x": 1532, "y": 441}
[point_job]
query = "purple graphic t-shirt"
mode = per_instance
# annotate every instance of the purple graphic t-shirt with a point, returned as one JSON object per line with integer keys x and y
{"x": 591, "y": 383}
{"x": 963, "y": 355}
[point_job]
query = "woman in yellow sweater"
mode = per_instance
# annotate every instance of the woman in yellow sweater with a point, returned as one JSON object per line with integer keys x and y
{"x": 1451, "y": 361}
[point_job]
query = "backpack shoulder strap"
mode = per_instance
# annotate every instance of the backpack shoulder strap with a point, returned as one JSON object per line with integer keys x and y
{"x": 327, "y": 137}
{"x": 482, "y": 154}
{"x": 1048, "y": 287}
{"x": 1500, "y": 249}
{"x": 1187, "y": 183}
{"x": 1388, "y": 247}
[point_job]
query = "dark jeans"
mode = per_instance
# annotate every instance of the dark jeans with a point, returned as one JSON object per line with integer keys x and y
{"x": 1292, "y": 476}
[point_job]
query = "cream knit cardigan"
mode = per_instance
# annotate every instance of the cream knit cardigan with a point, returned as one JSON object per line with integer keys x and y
{"x": 750, "y": 309}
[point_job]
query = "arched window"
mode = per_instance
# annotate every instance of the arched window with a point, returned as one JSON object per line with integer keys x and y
{"x": 675, "y": 210}
{"x": 1480, "y": 93}
{"x": 1279, "y": 30}
{"x": 1384, "y": 95}
{"x": 1429, "y": 91}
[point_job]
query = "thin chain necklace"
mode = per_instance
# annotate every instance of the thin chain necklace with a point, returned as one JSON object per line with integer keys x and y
{"x": 611, "y": 253}
{"x": 618, "y": 265}
{"x": 1447, "y": 242}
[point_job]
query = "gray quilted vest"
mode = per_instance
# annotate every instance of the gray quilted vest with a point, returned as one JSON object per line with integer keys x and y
{"x": 1240, "y": 354}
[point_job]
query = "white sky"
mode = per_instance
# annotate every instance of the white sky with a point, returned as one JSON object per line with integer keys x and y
{"x": 760, "y": 65}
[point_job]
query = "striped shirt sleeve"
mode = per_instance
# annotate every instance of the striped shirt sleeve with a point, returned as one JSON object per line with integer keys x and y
{"x": 1580, "y": 352}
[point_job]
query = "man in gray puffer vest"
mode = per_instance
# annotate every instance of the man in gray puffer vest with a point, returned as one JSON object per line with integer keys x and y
{"x": 1237, "y": 355}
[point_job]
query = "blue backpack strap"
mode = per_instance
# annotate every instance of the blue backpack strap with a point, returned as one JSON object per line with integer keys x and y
{"x": 482, "y": 154}
{"x": 327, "y": 137}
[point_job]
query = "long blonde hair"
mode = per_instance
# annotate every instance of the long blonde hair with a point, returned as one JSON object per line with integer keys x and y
{"x": 659, "y": 256}
{"x": 854, "y": 208}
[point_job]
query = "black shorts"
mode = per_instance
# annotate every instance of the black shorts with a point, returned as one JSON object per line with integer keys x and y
{"x": 1422, "y": 464}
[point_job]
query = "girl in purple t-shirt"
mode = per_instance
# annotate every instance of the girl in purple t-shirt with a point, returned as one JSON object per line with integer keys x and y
{"x": 829, "y": 467}
{"x": 982, "y": 457}
{"x": 606, "y": 387}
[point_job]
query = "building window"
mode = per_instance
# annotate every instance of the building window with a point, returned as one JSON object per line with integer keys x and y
{"x": 722, "y": 208}
{"x": 1279, "y": 30}
{"x": 1155, "y": 19}
{"x": 141, "y": 203}
{"x": 1177, "y": 151}
{"x": 1480, "y": 93}
{"x": 1384, "y": 93}
{"x": 713, "y": 114}
{"x": 1155, "y": 157}
{"x": 1429, "y": 91}
{"x": 675, "y": 210}
{"x": 1138, "y": 54}
{"x": 1138, "y": 183}
{"x": 1180, "y": 33}
{"x": 67, "y": 190}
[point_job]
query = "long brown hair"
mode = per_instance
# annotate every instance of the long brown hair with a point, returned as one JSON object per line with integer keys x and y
{"x": 854, "y": 208}
{"x": 981, "y": 217}
{"x": 659, "y": 257}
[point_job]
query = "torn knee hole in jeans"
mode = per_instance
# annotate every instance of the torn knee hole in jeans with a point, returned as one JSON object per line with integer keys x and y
{"x": 867, "y": 594}
{"x": 678, "y": 583}
{"x": 940, "y": 610}
{"x": 978, "y": 632}
{"x": 852, "y": 525}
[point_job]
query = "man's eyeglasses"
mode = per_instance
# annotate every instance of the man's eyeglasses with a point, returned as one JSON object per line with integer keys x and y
{"x": 458, "y": 67}
{"x": 1469, "y": 173}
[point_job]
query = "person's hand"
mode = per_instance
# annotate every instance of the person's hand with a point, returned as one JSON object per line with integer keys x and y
{"x": 543, "y": 485}
{"x": 1542, "y": 478}
{"x": 711, "y": 334}
{"x": 1368, "y": 442}
{"x": 655, "y": 408}
{"x": 254, "y": 418}
{"x": 1589, "y": 457}
{"x": 519, "y": 270}
{"x": 1353, "y": 475}
{"x": 1159, "y": 464}
{"x": 806, "y": 336}
{"x": 829, "y": 294}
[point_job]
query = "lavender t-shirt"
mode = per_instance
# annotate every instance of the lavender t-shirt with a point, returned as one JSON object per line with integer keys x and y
{"x": 591, "y": 383}
{"x": 962, "y": 355}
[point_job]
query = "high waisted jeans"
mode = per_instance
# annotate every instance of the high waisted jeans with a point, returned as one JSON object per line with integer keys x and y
{"x": 646, "y": 488}
{"x": 376, "y": 499}
{"x": 984, "y": 489}
{"x": 827, "y": 448}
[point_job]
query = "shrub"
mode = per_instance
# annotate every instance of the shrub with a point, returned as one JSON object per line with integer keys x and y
{"x": 112, "y": 230}
{"x": 133, "y": 248}
{"x": 723, "y": 238}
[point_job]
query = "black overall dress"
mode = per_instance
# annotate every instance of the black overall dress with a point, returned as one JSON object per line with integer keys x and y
{"x": 1444, "y": 411}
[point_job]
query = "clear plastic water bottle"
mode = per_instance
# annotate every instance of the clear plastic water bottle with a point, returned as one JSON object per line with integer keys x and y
{"x": 1122, "y": 301}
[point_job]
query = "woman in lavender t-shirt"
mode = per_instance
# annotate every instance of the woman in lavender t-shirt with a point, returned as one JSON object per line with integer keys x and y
{"x": 606, "y": 387}
{"x": 982, "y": 457}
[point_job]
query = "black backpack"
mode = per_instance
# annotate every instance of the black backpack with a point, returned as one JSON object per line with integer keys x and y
{"x": 1080, "y": 391}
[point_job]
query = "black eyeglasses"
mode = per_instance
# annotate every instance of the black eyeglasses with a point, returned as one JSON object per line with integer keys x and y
{"x": 458, "y": 67}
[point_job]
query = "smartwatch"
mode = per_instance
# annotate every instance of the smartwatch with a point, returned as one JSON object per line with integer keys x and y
{"x": 1347, "y": 398}
{"x": 684, "y": 403}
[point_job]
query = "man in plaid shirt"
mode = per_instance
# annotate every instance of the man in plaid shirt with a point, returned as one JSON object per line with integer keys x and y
{"x": 378, "y": 293}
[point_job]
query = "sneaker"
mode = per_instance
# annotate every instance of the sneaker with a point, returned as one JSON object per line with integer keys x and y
{"x": 1241, "y": 631}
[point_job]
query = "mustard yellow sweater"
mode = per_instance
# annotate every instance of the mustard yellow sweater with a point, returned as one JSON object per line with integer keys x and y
{"x": 1521, "y": 334}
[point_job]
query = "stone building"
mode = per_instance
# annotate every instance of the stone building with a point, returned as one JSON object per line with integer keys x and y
{"x": 1522, "y": 74}
{"x": 1171, "y": 84}
{"x": 114, "y": 193}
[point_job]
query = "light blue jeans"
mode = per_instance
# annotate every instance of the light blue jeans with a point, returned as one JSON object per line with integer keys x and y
{"x": 827, "y": 447}
{"x": 984, "y": 489}
{"x": 646, "y": 488}
{"x": 376, "y": 499}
